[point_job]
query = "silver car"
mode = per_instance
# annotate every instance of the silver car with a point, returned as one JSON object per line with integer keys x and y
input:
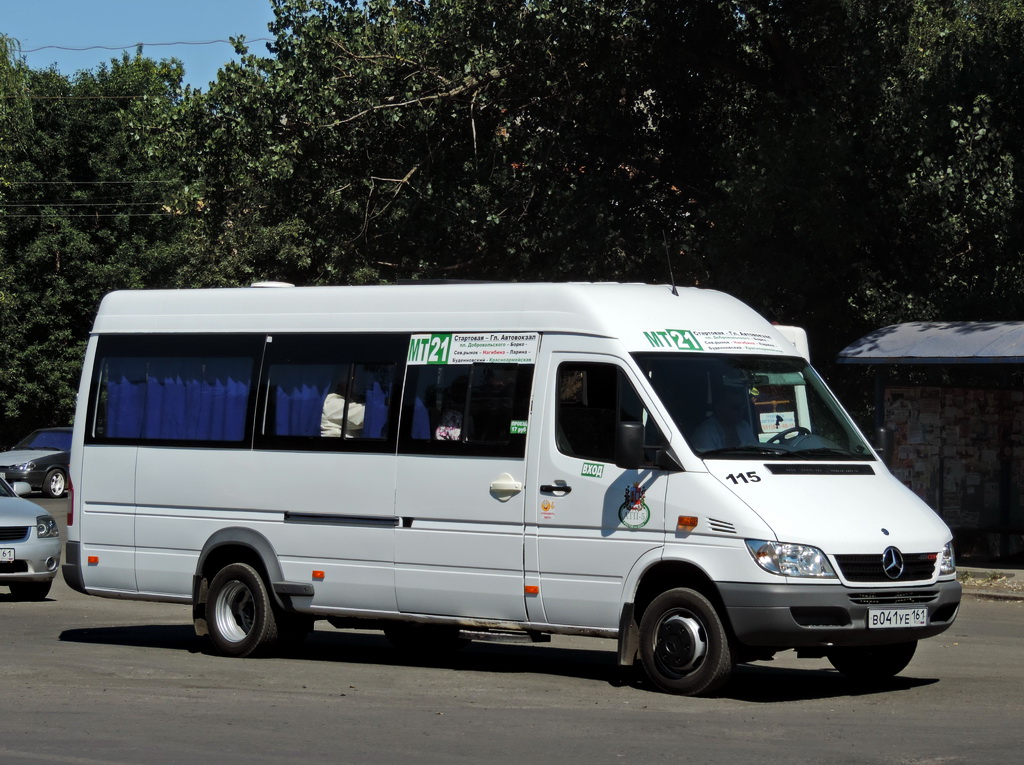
{"x": 29, "y": 544}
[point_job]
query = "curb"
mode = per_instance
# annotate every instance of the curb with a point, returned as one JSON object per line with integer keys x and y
{"x": 989, "y": 582}
{"x": 981, "y": 593}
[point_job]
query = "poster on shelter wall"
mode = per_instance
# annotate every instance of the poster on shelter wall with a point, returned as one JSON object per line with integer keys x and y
{"x": 951, "y": 446}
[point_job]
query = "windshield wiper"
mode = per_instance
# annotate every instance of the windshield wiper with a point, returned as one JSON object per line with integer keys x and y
{"x": 745, "y": 450}
{"x": 824, "y": 451}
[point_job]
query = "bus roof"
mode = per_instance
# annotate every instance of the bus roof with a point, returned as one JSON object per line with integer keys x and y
{"x": 642, "y": 316}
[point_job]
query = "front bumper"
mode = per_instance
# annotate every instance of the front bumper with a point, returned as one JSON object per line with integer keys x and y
{"x": 803, "y": 615}
{"x": 33, "y": 478}
{"x": 36, "y": 560}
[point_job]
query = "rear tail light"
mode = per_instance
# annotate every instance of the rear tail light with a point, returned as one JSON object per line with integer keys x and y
{"x": 71, "y": 502}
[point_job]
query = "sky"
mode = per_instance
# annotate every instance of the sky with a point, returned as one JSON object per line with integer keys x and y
{"x": 45, "y": 28}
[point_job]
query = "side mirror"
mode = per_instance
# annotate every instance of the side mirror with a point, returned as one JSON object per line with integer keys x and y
{"x": 630, "y": 453}
{"x": 884, "y": 446}
{"x": 21, "y": 488}
{"x": 629, "y": 445}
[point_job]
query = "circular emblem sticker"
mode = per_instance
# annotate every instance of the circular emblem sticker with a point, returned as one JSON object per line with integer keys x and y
{"x": 633, "y": 512}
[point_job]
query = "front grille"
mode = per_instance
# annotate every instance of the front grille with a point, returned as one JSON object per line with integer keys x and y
{"x": 14, "y": 533}
{"x": 917, "y": 567}
{"x": 894, "y": 597}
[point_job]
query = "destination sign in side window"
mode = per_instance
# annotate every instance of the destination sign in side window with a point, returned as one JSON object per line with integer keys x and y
{"x": 473, "y": 348}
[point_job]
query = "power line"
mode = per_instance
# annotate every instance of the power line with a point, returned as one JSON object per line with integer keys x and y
{"x": 139, "y": 45}
{"x": 82, "y": 183}
{"x": 91, "y": 216}
{"x": 72, "y": 98}
{"x": 109, "y": 203}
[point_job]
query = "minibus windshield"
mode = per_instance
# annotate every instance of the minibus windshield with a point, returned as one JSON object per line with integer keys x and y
{"x": 762, "y": 407}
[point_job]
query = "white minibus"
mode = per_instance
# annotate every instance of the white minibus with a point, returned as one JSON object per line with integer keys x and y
{"x": 450, "y": 462}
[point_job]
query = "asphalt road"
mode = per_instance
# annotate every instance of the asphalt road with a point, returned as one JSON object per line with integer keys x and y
{"x": 89, "y": 680}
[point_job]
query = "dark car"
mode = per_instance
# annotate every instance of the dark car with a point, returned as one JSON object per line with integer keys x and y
{"x": 40, "y": 460}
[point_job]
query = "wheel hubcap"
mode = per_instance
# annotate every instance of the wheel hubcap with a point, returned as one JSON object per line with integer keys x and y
{"x": 681, "y": 644}
{"x": 234, "y": 612}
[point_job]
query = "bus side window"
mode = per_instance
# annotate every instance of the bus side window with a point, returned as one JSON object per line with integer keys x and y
{"x": 479, "y": 409}
{"x": 173, "y": 389}
{"x": 585, "y": 424}
{"x": 592, "y": 400}
{"x": 323, "y": 391}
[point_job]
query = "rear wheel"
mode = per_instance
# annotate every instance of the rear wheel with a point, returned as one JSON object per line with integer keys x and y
{"x": 683, "y": 643}
{"x": 55, "y": 484}
{"x": 872, "y": 663}
{"x": 30, "y": 590}
{"x": 240, "y": 616}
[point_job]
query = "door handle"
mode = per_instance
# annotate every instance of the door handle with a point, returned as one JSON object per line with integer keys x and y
{"x": 556, "y": 488}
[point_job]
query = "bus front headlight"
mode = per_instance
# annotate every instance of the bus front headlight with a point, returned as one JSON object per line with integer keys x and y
{"x": 947, "y": 560}
{"x": 787, "y": 559}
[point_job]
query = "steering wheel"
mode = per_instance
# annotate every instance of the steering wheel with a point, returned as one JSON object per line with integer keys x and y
{"x": 778, "y": 438}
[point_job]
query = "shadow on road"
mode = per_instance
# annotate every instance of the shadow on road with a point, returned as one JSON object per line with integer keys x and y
{"x": 750, "y": 683}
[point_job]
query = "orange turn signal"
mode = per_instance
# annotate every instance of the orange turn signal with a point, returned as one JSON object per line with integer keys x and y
{"x": 93, "y": 560}
{"x": 686, "y": 523}
{"x": 319, "y": 575}
{"x": 531, "y": 589}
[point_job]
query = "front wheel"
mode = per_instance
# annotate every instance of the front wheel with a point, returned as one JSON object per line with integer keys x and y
{"x": 683, "y": 644}
{"x": 240, "y": 615}
{"x": 872, "y": 663}
{"x": 30, "y": 590}
{"x": 55, "y": 484}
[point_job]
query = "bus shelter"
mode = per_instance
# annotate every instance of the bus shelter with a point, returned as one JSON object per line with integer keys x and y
{"x": 950, "y": 402}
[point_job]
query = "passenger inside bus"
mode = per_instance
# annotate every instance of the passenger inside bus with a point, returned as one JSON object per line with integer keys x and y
{"x": 729, "y": 423}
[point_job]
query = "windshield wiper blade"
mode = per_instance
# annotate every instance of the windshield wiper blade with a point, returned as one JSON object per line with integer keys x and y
{"x": 825, "y": 451}
{"x": 745, "y": 450}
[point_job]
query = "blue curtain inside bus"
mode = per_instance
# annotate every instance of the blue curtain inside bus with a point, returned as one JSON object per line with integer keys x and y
{"x": 177, "y": 399}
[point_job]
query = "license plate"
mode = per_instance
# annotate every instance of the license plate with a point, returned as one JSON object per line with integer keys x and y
{"x": 6, "y": 554}
{"x": 896, "y": 618}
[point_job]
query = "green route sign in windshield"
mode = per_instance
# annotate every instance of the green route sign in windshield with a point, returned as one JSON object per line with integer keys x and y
{"x": 712, "y": 340}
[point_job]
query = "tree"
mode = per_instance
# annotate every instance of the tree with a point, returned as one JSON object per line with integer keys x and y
{"x": 838, "y": 164}
{"x": 399, "y": 140}
{"x": 83, "y": 213}
{"x": 755, "y": 146}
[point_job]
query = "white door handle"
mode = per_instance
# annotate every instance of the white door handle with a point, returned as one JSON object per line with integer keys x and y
{"x": 505, "y": 486}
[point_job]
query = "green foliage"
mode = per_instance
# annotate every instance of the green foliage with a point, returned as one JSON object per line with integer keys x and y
{"x": 839, "y": 164}
{"x": 82, "y": 210}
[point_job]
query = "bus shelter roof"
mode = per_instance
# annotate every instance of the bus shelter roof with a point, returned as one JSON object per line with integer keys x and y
{"x": 937, "y": 342}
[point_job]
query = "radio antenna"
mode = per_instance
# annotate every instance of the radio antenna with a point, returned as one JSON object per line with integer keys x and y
{"x": 668, "y": 258}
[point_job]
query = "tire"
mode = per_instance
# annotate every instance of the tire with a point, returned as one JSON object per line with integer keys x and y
{"x": 684, "y": 647}
{"x": 872, "y": 663}
{"x": 30, "y": 590}
{"x": 424, "y": 639}
{"x": 55, "y": 484}
{"x": 239, "y": 613}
